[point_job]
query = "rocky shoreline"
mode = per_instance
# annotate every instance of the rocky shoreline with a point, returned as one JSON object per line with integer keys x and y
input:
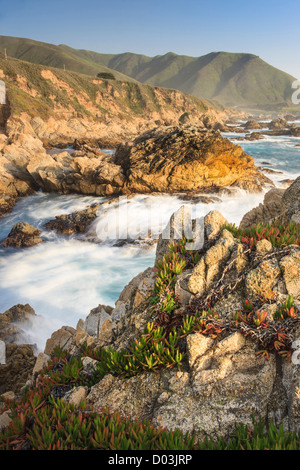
{"x": 187, "y": 158}
{"x": 222, "y": 380}
{"x": 204, "y": 339}
{"x": 32, "y": 156}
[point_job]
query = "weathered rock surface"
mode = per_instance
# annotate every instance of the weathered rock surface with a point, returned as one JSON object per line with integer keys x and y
{"x": 62, "y": 338}
{"x": 211, "y": 264}
{"x": 186, "y": 158}
{"x": 291, "y": 202}
{"x": 280, "y": 204}
{"x": 19, "y": 355}
{"x": 271, "y": 207}
{"x": 278, "y": 124}
{"x": 222, "y": 382}
{"x": 76, "y": 222}
{"x": 13, "y": 321}
{"x": 165, "y": 159}
{"x": 97, "y": 329}
{"x": 84, "y": 173}
{"x": 252, "y": 124}
{"x": 22, "y": 235}
{"x": 20, "y": 361}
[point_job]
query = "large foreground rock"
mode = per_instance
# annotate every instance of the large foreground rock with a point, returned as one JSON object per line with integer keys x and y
{"x": 225, "y": 384}
{"x": 223, "y": 381}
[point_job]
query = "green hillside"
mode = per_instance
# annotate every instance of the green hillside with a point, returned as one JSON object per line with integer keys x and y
{"x": 54, "y": 56}
{"x": 47, "y": 91}
{"x": 233, "y": 79}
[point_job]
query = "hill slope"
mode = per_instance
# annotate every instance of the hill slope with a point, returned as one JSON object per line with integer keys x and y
{"x": 233, "y": 79}
{"x": 54, "y": 56}
{"x": 50, "y": 92}
{"x": 230, "y": 78}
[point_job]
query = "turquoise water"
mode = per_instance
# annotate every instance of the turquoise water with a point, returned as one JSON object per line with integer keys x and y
{"x": 280, "y": 152}
{"x": 63, "y": 278}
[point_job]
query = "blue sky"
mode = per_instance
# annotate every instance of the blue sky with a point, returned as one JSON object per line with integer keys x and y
{"x": 268, "y": 28}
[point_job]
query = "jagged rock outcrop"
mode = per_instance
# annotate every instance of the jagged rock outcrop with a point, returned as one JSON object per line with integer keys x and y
{"x": 280, "y": 204}
{"x": 20, "y": 357}
{"x": 186, "y": 158}
{"x": 222, "y": 382}
{"x": 22, "y": 235}
{"x": 62, "y": 338}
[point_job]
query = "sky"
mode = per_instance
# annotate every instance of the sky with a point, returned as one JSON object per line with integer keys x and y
{"x": 267, "y": 28}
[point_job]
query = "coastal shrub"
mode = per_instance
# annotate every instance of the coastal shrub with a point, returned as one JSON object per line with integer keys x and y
{"x": 106, "y": 75}
{"x": 278, "y": 234}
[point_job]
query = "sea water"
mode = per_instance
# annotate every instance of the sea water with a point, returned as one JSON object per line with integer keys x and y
{"x": 64, "y": 277}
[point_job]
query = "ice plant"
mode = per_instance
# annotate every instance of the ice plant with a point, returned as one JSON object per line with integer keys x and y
{"x": 278, "y": 234}
{"x": 286, "y": 309}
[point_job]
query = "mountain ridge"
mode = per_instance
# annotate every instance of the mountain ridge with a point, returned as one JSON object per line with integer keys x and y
{"x": 50, "y": 55}
{"x": 241, "y": 80}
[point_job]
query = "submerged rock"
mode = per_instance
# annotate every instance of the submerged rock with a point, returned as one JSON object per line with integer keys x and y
{"x": 76, "y": 222}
